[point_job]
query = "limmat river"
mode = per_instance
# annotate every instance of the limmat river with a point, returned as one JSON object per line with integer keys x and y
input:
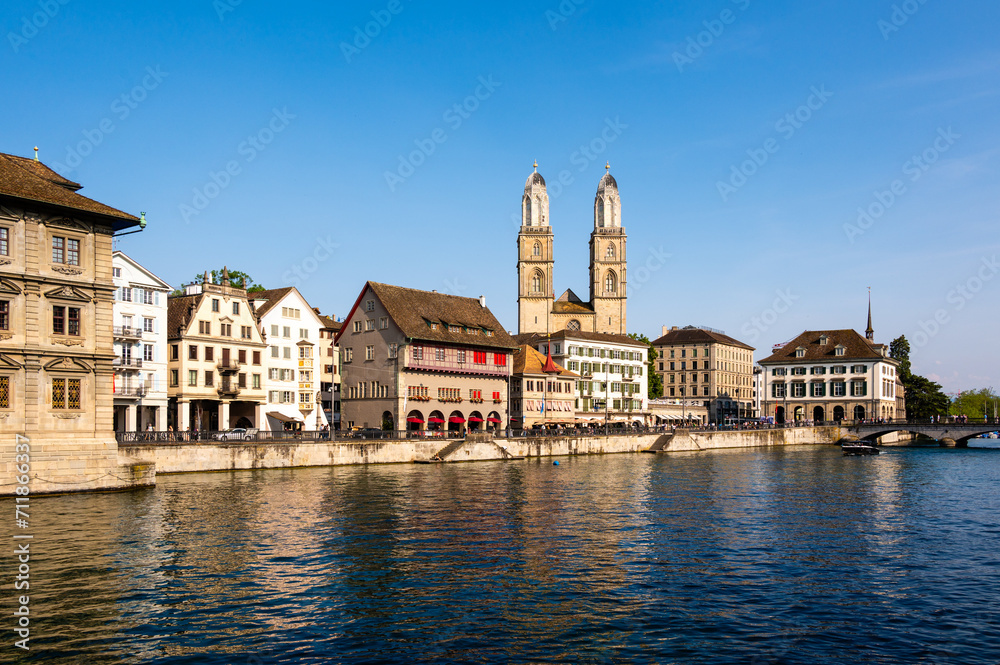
{"x": 790, "y": 555}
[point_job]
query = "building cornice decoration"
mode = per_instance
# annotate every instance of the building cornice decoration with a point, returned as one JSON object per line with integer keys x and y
{"x": 68, "y": 293}
{"x": 9, "y": 215}
{"x": 67, "y": 364}
{"x": 68, "y": 271}
{"x": 9, "y": 287}
{"x": 67, "y": 223}
{"x": 8, "y": 362}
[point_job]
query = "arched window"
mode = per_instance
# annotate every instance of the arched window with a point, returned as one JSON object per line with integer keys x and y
{"x": 537, "y": 249}
{"x": 611, "y": 251}
{"x": 573, "y": 325}
{"x": 611, "y": 283}
{"x": 600, "y": 212}
{"x": 527, "y": 212}
{"x": 537, "y": 282}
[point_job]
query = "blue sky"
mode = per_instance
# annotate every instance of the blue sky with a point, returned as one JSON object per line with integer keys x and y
{"x": 259, "y": 135}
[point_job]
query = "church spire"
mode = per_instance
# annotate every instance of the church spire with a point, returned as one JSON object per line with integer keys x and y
{"x": 870, "y": 332}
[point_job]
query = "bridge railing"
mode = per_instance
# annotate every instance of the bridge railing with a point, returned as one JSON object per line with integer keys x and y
{"x": 925, "y": 422}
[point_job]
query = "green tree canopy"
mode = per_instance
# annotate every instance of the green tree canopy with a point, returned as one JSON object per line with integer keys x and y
{"x": 654, "y": 382}
{"x": 923, "y": 397}
{"x": 982, "y": 403}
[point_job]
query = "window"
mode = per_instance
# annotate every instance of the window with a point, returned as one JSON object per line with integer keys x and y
{"x": 274, "y": 352}
{"x": 798, "y": 390}
{"x": 256, "y": 382}
{"x": 4, "y": 392}
{"x": 192, "y": 352}
{"x": 859, "y": 388}
{"x": 241, "y": 380}
{"x": 209, "y": 353}
{"x": 840, "y": 350}
{"x": 611, "y": 252}
{"x": 357, "y": 326}
{"x": 370, "y": 325}
{"x": 537, "y": 249}
{"x": 274, "y": 331}
{"x": 241, "y": 355}
{"x": 256, "y": 357}
{"x": 174, "y": 352}
{"x": 370, "y": 306}
{"x": 5, "y": 245}
{"x": 818, "y": 390}
{"x": 126, "y": 294}
{"x": 66, "y": 251}
{"x": 610, "y": 283}
{"x": 204, "y": 327}
{"x": 147, "y": 324}
{"x": 209, "y": 378}
{"x": 798, "y": 371}
{"x": 192, "y": 377}
{"x": 215, "y": 304}
{"x": 303, "y": 333}
{"x": 418, "y": 353}
{"x": 383, "y": 323}
{"x": 348, "y": 355}
{"x": 147, "y": 353}
{"x": 439, "y": 355}
{"x": 479, "y": 357}
{"x": 800, "y": 352}
{"x": 226, "y": 329}
{"x": 236, "y": 309}
{"x": 777, "y": 390}
{"x": 4, "y": 315}
{"x": 460, "y": 355}
{"x": 174, "y": 378}
{"x": 286, "y": 352}
{"x": 65, "y": 320}
{"x": 839, "y": 389}
{"x": 246, "y": 332}
{"x": 147, "y": 296}
{"x": 536, "y": 283}
{"x": 66, "y": 394}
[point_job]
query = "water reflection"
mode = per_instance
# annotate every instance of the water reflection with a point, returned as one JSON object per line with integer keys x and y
{"x": 788, "y": 555}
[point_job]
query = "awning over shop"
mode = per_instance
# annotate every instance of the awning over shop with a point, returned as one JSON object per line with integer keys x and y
{"x": 290, "y": 417}
{"x": 475, "y": 419}
{"x": 496, "y": 420}
{"x": 414, "y": 419}
{"x": 456, "y": 419}
{"x": 436, "y": 421}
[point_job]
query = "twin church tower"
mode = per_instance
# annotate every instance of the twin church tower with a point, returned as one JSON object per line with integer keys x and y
{"x": 538, "y": 309}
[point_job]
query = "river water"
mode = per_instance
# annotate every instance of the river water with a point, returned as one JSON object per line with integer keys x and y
{"x": 793, "y": 555}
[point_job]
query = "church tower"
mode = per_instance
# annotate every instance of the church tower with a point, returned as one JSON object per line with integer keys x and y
{"x": 608, "y": 284}
{"x": 534, "y": 258}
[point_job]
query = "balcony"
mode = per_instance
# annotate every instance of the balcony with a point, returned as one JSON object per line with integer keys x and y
{"x": 130, "y": 392}
{"x": 126, "y": 364}
{"x": 127, "y": 332}
{"x": 229, "y": 366}
{"x": 228, "y": 389}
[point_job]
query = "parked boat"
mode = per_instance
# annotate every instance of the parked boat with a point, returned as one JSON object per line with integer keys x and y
{"x": 860, "y": 448}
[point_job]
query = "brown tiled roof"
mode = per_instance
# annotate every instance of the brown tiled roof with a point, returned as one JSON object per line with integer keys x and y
{"x": 534, "y": 338}
{"x": 529, "y": 361}
{"x": 272, "y": 298}
{"x": 29, "y": 180}
{"x": 413, "y": 311}
{"x": 699, "y": 336}
{"x": 177, "y": 312}
{"x": 562, "y": 307}
{"x": 856, "y": 348}
{"x": 330, "y": 324}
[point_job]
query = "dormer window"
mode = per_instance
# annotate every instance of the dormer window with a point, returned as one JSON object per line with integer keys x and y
{"x": 823, "y": 340}
{"x": 800, "y": 352}
{"x": 840, "y": 350}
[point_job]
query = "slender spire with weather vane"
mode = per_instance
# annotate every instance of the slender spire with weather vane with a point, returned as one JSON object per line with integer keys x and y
{"x": 870, "y": 332}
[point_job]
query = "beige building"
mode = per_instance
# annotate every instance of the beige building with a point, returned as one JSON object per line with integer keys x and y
{"x": 538, "y": 309}
{"x": 423, "y": 361}
{"x": 832, "y": 375}
{"x": 56, "y": 346}
{"x": 708, "y": 368}
{"x": 215, "y": 359}
{"x": 541, "y": 392}
{"x": 330, "y": 369}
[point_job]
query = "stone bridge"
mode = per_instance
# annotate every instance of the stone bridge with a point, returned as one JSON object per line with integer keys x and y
{"x": 959, "y": 433}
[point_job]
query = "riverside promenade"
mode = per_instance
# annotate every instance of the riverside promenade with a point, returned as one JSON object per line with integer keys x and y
{"x": 189, "y": 456}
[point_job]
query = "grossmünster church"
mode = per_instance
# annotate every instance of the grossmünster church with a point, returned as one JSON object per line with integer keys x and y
{"x": 539, "y": 311}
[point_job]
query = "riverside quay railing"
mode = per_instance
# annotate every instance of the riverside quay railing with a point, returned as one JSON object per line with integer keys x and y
{"x": 256, "y": 436}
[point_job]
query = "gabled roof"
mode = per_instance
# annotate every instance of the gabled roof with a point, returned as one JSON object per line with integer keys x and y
{"x": 330, "y": 324}
{"x": 26, "y": 179}
{"x": 691, "y": 335}
{"x": 534, "y": 339}
{"x": 177, "y": 312}
{"x": 429, "y": 316}
{"x": 529, "y": 361}
{"x": 138, "y": 266}
{"x": 855, "y": 346}
{"x": 271, "y": 298}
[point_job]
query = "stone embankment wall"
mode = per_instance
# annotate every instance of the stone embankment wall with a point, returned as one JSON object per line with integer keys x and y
{"x": 191, "y": 457}
{"x": 59, "y": 466}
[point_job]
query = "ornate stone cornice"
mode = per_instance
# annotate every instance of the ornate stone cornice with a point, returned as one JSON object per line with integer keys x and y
{"x": 68, "y": 293}
{"x": 68, "y": 365}
{"x": 65, "y": 270}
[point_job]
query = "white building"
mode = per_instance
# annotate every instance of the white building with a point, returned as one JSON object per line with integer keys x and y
{"x": 613, "y": 384}
{"x": 292, "y": 330}
{"x": 140, "y": 339}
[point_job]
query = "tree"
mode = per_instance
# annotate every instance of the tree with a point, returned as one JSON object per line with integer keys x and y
{"x": 236, "y": 278}
{"x": 975, "y": 403}
{"x": 923, "y": 397}
{"x": 654, "y": 382}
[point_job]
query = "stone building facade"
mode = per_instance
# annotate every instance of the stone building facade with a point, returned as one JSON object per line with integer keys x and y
{"x": 542, "y": 393}
{"x": 539, "y": 311}
{"x": 707, "y": 368}
{"x": 56, "y": 346}
{"x": 423, "y": 361}
{"x": 215, "y": 359}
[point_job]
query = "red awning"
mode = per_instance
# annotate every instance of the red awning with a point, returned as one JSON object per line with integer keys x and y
{"x": 493, "y": 420}
{"x": 413, "y": 419}
{"x": 435, "y": 420}
{"x": 456, "y": 419}
{"x": 475, "y": 419}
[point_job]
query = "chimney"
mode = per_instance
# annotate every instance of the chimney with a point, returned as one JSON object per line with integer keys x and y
{"x": 482, "y": 301}
{"x": 664, "y": 330}
{"x": 673, "y": 328}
